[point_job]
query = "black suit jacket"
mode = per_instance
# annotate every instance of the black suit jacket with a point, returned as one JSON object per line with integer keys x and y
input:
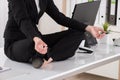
{"x": 23, "y": 17}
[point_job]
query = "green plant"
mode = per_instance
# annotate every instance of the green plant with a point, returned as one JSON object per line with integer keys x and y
{"x": 105, "y": 27}
{"x": 90, "y": 0}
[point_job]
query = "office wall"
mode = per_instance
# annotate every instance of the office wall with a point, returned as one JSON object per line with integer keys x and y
{"x": 3, "y": 19}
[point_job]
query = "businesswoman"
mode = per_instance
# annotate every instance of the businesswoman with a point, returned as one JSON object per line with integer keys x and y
{"x": 25, "y": 43}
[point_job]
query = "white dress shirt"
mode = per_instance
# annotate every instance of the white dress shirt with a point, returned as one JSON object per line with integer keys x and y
{"x": 37, "y": 4}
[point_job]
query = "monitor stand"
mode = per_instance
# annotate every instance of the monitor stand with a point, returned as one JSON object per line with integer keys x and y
{"x": 85, "y": 48}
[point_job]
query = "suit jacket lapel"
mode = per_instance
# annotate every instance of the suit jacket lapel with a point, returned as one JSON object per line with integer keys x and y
{"x": 43, "y": 6}
{"x": 34, "y": 7}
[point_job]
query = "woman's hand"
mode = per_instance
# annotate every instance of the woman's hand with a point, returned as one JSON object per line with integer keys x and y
{"x": 40, "y": 46}
{"x": 97, "y": 32}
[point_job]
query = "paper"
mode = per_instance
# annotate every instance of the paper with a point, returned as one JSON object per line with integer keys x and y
{"x": 2, "y": 69}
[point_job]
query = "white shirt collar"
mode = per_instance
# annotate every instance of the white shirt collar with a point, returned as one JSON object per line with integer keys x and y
{"x": 37, "y": 4}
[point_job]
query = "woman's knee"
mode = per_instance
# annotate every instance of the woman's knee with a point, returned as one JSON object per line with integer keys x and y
{"x": 20, "y": 50}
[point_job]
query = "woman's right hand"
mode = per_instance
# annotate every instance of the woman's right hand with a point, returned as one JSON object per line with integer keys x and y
{"x": 40, "y": 45}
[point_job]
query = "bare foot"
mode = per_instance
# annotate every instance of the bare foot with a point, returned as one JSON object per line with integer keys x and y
{"x": 46, "y": 62}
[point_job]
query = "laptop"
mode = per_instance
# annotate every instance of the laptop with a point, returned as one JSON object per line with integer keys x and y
{"x": 86, "y": 13}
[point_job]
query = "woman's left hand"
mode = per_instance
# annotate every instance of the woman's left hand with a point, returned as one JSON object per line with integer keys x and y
{"x": 97, "y": 32}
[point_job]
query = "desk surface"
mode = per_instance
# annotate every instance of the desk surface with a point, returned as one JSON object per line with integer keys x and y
{"x": 103, "y": 54}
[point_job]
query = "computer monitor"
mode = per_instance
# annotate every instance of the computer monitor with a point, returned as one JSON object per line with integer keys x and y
{"x": 86, "y": 13}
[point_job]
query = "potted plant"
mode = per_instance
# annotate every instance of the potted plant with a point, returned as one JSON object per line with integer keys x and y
{"x": 105, "y": 27}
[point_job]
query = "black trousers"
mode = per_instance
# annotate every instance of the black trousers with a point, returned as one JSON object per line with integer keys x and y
{"x": 62, "y": 45}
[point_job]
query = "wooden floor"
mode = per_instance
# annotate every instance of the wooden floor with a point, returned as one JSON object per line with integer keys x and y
{"x": 86, "y": 76}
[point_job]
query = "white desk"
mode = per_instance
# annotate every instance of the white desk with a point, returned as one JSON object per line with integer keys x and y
{"x": 103, "y": 54}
